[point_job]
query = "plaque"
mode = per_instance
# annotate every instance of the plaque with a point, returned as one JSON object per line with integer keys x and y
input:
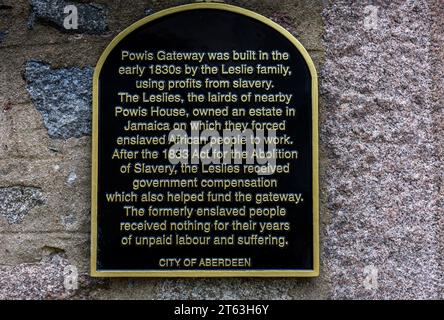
{"x": 205, "y": 149}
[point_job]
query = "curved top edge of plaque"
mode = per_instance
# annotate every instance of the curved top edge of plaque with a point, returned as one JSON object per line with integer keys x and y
{"x": 195, "y": 6}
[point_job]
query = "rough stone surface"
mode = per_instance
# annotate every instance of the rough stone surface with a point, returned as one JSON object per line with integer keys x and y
{"x": 383, "y": 178}
{"x": 51, "y": 278}
{"x": 220, "y": 289}
{"x": 4, "y": 21}
{"x": 63, "y": 97}
{"x": 437, "y": 97}
{"x": 42, "y": 280}
{"x": 2, "y": 35}
{"x": 91, "y": 17}
{"x": 16, "y": 202}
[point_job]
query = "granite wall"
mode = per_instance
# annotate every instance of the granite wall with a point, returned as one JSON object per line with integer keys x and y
{"x": 380, "y": 65}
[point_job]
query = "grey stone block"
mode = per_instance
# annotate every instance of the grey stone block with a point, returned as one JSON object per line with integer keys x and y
{"x": 63, "y": 97}
{"x": 43, "y": 280}
{"x": 91, "y": 17}
{"x": 16, "y": 202}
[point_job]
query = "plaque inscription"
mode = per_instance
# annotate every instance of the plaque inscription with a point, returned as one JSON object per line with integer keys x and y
{"x": 205, "y": 148}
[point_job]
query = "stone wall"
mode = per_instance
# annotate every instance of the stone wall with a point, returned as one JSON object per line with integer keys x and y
{"x": 381, "y": 128}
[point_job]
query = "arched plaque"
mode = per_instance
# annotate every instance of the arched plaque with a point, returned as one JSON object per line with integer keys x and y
{"x": 205, "y": 149}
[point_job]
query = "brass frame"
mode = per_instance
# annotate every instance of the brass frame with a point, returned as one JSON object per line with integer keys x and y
{"x": 315, "y": 139}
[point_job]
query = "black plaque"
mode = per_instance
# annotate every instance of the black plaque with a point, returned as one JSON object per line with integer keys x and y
{"x": 145, "y": 225}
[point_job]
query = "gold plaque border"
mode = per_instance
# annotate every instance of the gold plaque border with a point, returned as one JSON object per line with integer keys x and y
{"x": 315, "y": 144}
